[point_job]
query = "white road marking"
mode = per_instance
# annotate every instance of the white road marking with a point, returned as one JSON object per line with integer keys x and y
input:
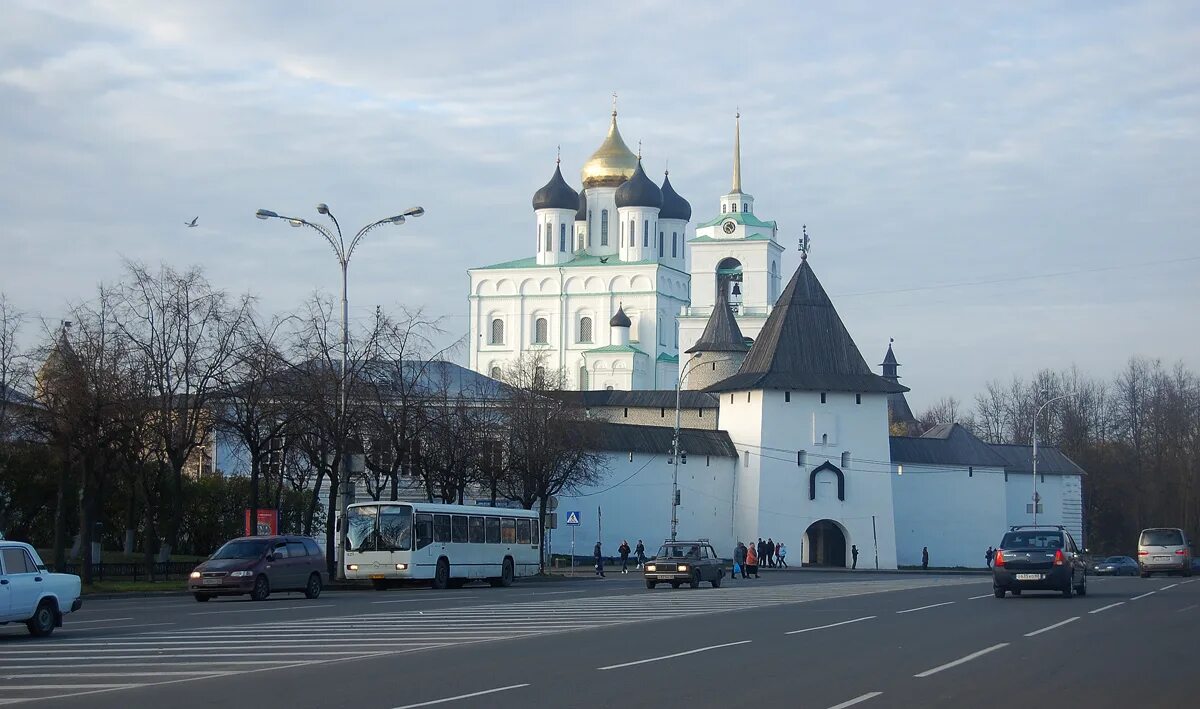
{"x": 1166, "y": 587}
{"x": 935, "y": 605}
{"x": 180, "y": 673}
{"x": 463, "y": 696}
{"x": 670, "y": 657}
{"x": 831, "y": 625}
{"x": 976, "y": 598}
{"x": 1151, "y": 593}
{"x": 69, "y": 627}
{"x": 219, "y": 663}
{"x": 1187, "y": 608}
{"x": 961, "y": 660}
{"x": 1104, "y": 608}
{"x": 106, "y": 620}
{"x": 856, "y": 700}
{"x": 1182, "y": 583}
{"x": 264, "y": 609}
{"x": 1051, "y": 627}
{"x": 73, "y": 686}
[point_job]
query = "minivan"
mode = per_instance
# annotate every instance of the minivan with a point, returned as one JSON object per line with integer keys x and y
{"x": 258, "y": 566}
{"x": 1164, "y": 549}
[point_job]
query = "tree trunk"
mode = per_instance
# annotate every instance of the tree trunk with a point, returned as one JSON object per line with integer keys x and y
{"x": 60, "y": 512}
{"x": 255, "y": 467}
{"x": 131, "y": 519}
{"x": 330, "y": 523}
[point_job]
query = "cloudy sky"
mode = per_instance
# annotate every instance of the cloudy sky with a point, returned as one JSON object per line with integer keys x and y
{"x": 999, "y": 189}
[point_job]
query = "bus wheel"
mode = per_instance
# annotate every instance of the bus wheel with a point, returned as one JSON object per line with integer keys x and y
{"x": 441, "y": 577}
{"x": 506, "y": 573}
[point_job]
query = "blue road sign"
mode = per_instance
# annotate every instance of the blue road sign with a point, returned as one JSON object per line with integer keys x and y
{"x": 573, "y": 518}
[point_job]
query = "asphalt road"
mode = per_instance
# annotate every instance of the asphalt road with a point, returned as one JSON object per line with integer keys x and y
{"x": 791, "y": 639}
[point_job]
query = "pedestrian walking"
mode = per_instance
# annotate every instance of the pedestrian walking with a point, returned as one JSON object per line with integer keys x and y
{"x": 739, "y": 560}
{"x": 640, "y": 551}
{"x": 751, "y": 562}
{"x": 988, "y": 556}
{"x": 623, "y": 550}
{"x": 599, "y": 560}
{"x": 924, "y": 558}
{"x": 854, "y": 556}
{"x": 770, "y": 561}
{"x": 761, "y": 550}
{"x": 781, "y": 554}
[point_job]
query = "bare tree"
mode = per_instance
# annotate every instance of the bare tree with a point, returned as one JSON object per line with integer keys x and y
{"x": 12, "y": 369}
{"x": 944, "y": 410}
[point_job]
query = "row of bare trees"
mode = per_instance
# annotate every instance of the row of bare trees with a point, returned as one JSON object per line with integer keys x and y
{"x": 1136, "y": 435}
{"x": 160, "y": 380}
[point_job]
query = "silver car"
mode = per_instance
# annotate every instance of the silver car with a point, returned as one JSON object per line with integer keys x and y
{"x": 1164, "y": 550}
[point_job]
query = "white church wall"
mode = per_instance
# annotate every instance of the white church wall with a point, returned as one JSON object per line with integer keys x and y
{"x": 958, "y": 512}
{"x": 634, "y": 499}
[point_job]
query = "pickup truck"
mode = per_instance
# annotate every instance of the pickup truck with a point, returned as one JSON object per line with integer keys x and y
{"x": 31, "y": 595}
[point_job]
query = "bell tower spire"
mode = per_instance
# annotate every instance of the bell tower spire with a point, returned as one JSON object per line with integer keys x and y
{"x": 737, "y": 153}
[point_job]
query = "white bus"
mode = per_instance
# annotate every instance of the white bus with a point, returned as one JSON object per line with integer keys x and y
{"x": 392, "y": 542}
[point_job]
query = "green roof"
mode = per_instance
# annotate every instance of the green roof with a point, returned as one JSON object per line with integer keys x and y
{"x": 744, "y": 218}
{"x": 584, "y": 260}
{"x": 615, "y": 348}
{"x": 664, "y": 357}
{"x": 752, "y": 237}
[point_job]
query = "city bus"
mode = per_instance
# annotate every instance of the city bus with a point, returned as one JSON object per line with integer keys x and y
{"x": 392, "y": 542}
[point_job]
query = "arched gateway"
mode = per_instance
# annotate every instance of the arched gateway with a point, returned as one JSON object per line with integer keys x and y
{"x": 825, "y": 544}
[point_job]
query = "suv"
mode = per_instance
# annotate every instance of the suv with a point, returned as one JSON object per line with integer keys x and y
{"x": 258, "y": 566}
{"x": 1164, "y": 549}
{"x": 30, "y": 595}
{"x": 679, "y": 562}
{"x": 1038, "y": 558}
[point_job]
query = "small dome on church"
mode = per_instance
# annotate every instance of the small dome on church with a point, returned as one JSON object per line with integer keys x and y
{"x": 612, "y": 163}
{"x": 673, "y": 205}
{"x": 556, "y": 194}
{"x": 620, "y": 319}
{"x": 581, "y": 215}
{"x": 639, "y": 191}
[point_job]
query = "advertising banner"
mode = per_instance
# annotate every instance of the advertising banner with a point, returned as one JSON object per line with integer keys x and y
{"x": 262, "y": 523}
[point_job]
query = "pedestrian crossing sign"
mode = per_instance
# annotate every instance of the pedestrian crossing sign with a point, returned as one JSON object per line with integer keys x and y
{"x": 573, "y": 518}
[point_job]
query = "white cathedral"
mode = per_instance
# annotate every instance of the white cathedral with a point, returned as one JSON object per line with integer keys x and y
{"x": 787, "y": 431}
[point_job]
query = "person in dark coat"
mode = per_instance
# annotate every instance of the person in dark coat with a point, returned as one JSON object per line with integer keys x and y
{"x": 854, "y": 556}
{"x": 988, "y": 556}
{"x": 760, "y": 550}
{"x": 925, "y": 558}
{"x": 739, "y": 558}
{"x": 623, "y": 550}
{"x": 640, "y": 552}
{"x": 599, "y": 560}
{"x": 770, "y": 560}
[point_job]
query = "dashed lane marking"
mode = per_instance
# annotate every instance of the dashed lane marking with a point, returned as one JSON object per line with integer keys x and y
{"x": 1150, "y": 593}
{"x": 1104, "y": 608}
{"x": 856, "y": 700}
{"x": 831, "y": 625}
{"x": 961, "y": 660}
{"x": 1170, "y": 586}
{"x": 464, "y": 696}
{"x": 976, "y": 598}
{"x": 922, "y": 608}
{"x": 1048, "y": 628}
{"x": 672, "y": 656}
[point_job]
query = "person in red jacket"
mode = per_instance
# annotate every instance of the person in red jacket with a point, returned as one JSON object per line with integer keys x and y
{"x": 752, "y": 561}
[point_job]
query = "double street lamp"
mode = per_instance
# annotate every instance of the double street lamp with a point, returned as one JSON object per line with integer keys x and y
{"x": 343, "y": 251}
{"x": 1035, "y": 455}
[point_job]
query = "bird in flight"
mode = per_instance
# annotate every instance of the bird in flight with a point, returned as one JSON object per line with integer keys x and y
{"x": 191, "y": 223}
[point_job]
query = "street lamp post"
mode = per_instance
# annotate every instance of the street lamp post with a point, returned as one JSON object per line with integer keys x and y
{"x": 683, "y": 371}
{"x": 343, "y": 251}
{"x": 1035, "y": 455}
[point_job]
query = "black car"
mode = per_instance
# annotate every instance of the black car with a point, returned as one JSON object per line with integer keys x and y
{"x": 1117, "y": 566}
{"x": 690, "y": 562}
{"x": 1038, "y": 558}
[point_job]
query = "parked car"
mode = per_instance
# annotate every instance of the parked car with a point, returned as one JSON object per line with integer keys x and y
{"x": 1038, "y": 558}
{"x": 1116, "y": 566}
{"x": 259, "y": 566}
{"x": 31, "y": 595}
{"x": 1164, "y": 550}
{"x": 691, "y": 562}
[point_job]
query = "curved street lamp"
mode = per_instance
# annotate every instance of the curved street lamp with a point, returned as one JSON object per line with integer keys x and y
{"x": 1036, "y": 416}
{"x": 343, "y": 251}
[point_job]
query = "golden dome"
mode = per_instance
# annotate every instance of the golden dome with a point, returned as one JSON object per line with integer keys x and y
{"x": 612, "y": 163}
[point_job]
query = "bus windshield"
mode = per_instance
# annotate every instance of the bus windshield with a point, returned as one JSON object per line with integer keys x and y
{"x": 379, "y": 528}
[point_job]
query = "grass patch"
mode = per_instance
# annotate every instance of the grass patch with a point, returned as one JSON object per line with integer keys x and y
{"x": 135, "y": 586}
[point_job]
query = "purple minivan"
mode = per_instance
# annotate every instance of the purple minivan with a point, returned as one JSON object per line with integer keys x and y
{"x": 259, "y": 565}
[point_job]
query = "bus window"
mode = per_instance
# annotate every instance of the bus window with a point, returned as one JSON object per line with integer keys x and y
{"x": 476, "y": 535}
{"x": 459, "y": 529}
{"x": 395, "y": 528}
{"x": 493, "y": 530}
{"x": 523, "y": 531}
{"x": 360, "y": 528}
{"x": 508, "y": 530}
{"x": 441, "y": 528}
{"x": 424, "y": 530}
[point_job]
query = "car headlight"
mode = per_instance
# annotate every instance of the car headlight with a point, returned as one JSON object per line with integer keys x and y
{"x": 683, "y": 567}
{"x": 401, "y": 567}
{"x": 239, "y": 574}
{"x": 650, "y": 567}
{"x": 352, "y": 567}
{"x": 194, "y": 575}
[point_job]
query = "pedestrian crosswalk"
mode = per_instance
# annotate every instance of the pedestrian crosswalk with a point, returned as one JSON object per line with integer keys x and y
{"x": 65, "y": 666}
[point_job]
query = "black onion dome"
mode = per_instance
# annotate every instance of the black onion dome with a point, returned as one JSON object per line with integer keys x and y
{"x": 673, "y": 206}
{"x": 557, "y": 194}
{"x": 639, "y": 191}
{"x": 620, "y": 319}
{"x": 581, "y": 215}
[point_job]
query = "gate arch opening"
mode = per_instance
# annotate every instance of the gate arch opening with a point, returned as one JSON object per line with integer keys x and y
{"x": 825, "y": 544}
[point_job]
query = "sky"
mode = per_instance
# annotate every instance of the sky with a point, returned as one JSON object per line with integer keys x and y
{"x": 1001, "y": 188}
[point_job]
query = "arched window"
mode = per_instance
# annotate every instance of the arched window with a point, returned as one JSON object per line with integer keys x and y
{"x": 722, "y": 209}
{"x": 548, "y": 236}
{"x": 660, "y": 244}
{"x": 604, "y": 227}
{"x": 497, "y": 337}
{"x": 562, "y": 237}
{"x": 585, "y": 330}
{"x": 632, "y": 235}
{"x": 646, "y": 233}
{"x": 583, "y": 379}
{"x": 540, "y": 331}
{"x": 590, "y": 229}
{"x": 621, "y": 234}
{"x": 735, "y": 206}
{"x": 674, "y": 245}
{"x": 745, "y": 206}
{"x": 495, "y": 373}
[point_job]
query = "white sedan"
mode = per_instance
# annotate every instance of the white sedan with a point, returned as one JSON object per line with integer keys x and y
{"x": 31, "y": 595}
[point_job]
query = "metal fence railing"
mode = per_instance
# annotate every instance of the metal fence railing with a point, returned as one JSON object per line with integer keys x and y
{"x": 130, "y": 571}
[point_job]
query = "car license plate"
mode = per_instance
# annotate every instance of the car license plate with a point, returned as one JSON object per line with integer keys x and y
{"x": 377, "y": 576}
{"x": 1029, "y": 577}
{"x": 1162, "y": 559}
{"x": 211, "y": 582}
{"x": 666, "y": 576}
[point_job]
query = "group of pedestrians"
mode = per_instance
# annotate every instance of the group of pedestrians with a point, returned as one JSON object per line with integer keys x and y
{"x": 747, "y": 559}
{"x": 624, "y": 550}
